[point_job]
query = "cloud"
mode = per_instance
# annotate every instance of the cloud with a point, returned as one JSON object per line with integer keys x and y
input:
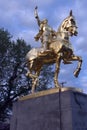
{"x": 29, "y": 36}
{"x": 40, "y": 3}
{"x": 18, "y": 17}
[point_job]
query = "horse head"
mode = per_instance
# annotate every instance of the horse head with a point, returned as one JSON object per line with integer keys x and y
{"x": 68, "y": 26}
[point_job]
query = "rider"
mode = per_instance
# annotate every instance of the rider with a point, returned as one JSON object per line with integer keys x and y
{"x": 45, "y": 34}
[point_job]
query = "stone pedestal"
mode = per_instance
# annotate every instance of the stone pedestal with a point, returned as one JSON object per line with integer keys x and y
{"x": 51, "y": 110}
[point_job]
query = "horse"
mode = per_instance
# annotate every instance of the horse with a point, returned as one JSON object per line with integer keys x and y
{"x": 60, "y": 50}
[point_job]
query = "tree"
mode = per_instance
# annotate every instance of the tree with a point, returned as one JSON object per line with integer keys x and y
{"x": 13, "y": 82}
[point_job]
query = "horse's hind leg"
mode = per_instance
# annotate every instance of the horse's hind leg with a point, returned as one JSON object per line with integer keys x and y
{"x": 58, "y": 61}
{"x": 30, "y": 71}
{"x": 34, "y": 81}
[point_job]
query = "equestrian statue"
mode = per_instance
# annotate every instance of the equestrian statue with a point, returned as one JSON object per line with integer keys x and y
{"x": 56, "y": 48}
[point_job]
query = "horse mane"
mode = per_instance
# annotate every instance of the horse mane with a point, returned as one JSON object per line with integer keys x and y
{"x": 62, "y": 23}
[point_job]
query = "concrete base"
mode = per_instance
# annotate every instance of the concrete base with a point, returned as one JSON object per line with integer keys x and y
{"x": 51, "y": 110}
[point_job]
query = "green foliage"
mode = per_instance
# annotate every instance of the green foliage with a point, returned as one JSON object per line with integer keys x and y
{"x": 13, "y": 82}
{"x": 4, "y": 41}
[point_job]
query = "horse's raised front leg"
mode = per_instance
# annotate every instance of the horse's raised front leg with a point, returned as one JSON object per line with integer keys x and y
{"x": 58, "y": 61}
{"x": 79, "y": 59}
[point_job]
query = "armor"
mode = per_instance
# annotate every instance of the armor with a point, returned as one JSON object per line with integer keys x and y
{"x": 45, "y": 33}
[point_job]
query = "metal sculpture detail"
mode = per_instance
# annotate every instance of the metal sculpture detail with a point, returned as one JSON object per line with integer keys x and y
{"x": 56, "y": 47}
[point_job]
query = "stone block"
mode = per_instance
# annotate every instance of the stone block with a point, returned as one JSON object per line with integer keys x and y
{"x": 53, "y": 109}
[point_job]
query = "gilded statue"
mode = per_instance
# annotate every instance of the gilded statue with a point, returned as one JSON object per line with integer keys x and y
{"x": 56, "y": 48}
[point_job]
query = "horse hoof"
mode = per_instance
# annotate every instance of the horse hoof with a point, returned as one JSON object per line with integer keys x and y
{"x": 27, "y": 74}
{"x": 76, "y": 74}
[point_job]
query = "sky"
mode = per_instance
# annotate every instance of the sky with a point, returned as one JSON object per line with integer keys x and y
{"x": 17, "y": 16}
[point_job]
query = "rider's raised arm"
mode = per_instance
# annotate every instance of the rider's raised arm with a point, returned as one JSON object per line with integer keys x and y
{"x": 36, "y": 16}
